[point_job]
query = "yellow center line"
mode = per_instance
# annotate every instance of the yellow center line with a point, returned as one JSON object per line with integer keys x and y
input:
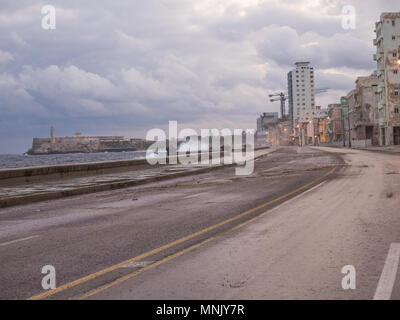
{"x": 135, "y": 273}
{"x": 179, "y": 253}
{"x": 74, "y": 283}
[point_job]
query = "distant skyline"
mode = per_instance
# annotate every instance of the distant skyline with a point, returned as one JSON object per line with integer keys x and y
{"x": 124, "y": 67}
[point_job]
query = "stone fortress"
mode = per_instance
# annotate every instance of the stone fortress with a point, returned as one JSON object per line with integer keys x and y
{"x": 85, "y": 144}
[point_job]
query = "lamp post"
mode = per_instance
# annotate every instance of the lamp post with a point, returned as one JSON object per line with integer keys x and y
{"x": 348, "y": 121}
{"x": 343, "y": 130}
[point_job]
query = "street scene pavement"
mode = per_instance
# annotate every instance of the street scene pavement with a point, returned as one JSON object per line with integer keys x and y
{"x": 284, "y": 232}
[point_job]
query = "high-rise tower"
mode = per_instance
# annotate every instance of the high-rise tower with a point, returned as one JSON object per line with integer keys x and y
{"x": 301, "y": 90}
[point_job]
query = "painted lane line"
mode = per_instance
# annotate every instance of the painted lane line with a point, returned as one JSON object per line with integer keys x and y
{"x": 17, "y": 240}
{"x": 142, "y": 256}
{"x": 149, "y": 267}
{"x": 388, "y": 276}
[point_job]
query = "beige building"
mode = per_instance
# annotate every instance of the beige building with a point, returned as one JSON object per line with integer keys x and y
{"x": 387, "y": 56}
{"x": 310, "y": 114}
{"x": 363, "y": 106}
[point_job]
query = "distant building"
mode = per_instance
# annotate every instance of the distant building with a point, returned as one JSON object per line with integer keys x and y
{"x": 338, "y": 124}
{"x": 323, "y": 130}
{"x": 264, "y": 122}
{"x": 387, "y": 57}
{"x": 283, "y": 132}
{"x": 313, "y": 113}
{"x": 84, "y": 144}
{"x": 301, "y": 91}
{"x": 364, "y": 129}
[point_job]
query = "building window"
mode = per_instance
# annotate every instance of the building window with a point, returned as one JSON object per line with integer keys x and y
{"x": 395, "y": 71}
{"x": 393, "y": 23}
{"x": 393, "y": 37}
{"x": 395, "y": 54}
{"x": 396, "y": 110}
{"x": 396, "y": 92}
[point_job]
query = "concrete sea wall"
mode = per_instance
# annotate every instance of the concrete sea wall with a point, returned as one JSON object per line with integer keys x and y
{"x": 68, "y": 170}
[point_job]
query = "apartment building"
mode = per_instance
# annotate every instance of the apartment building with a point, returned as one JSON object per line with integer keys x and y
{"x": 264, "y": 122}
{"x": 301, "y": 91}
{"x": 387, "y": 56}
{"x": 362, "y": 100}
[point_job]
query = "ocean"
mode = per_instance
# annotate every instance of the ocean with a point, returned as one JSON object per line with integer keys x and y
{"x": 9, "y": 161}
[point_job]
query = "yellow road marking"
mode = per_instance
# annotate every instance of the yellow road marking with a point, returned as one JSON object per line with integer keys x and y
{"x": 179, "y": 253}
{"x": 169, "y": 245}
{"x": 133, "y": 274}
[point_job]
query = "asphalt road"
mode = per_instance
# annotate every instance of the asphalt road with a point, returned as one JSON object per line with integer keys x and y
{"x": 284, "y": 232}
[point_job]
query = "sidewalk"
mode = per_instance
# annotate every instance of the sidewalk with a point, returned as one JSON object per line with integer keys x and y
{"x": 22, "y": 193}
{"x": 385, "y": 149}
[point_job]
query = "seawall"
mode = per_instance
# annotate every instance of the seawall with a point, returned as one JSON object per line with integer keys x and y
{"x": 41, "y": 173}
{"x": 62, "y": 171}
{"x": 27, "y": 185}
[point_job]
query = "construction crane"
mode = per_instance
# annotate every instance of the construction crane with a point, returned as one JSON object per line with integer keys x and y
{"x": 282, "y": 98}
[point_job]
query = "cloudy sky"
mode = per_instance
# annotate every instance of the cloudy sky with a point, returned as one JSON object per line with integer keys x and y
{"x": 126, "y": 66}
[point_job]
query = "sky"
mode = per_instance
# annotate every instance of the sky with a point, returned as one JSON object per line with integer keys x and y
{"x": 123, "y": 67}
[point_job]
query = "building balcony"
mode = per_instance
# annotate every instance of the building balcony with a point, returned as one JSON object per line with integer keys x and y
{"x": 376, "y": 41}
{"x": 378, "y": 56}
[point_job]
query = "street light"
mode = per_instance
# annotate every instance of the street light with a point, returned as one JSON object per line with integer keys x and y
{"x": 398, "y": 61}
